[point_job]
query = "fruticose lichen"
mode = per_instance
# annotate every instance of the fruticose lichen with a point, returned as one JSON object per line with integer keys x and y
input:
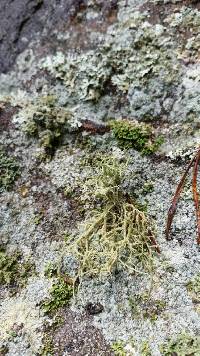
{"x": 116, "y": 235}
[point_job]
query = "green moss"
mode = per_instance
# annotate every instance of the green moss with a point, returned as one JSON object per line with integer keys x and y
{"x": 148, "y": 187}
{"x": 13, "y": 272}
{"x": 51, "y": 270}
{"x": 9, "y": 171}
{"x": 48, "y": 348}
{"x": 131, "y": 134}
{"x": 145, "y": 349}
{"x": 183, "y": 345}
{"x": 118, "y": 348}
{"x": 146, "y": 307}
{"x": 60, "y": 296}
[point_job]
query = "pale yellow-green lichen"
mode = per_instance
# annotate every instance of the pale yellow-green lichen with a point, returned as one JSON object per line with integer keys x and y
{"x": 116, "y": 235}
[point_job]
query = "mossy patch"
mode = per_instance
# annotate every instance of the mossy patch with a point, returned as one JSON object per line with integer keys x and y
{"x": 60, "y": 296}
{"x": 9, "y": 170}
{"x": 131, "y": 134}
{"x": 146, "y": 307}
{"x": 13, "y": 270}
{"x": 118, "y": 348}
{"x": 183, "y": 345}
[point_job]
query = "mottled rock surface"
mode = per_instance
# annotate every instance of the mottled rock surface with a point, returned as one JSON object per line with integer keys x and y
{"x": 69, "y": 69}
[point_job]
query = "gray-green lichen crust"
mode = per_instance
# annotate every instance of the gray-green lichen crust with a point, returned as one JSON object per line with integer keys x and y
{"x": 97, "y": 126}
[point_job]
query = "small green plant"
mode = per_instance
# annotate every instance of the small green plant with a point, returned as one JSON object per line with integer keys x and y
{"x": 13, "y": 272}
{"x": 60, "y": 296}
{"x": 116, "y": 235}
{"x": 183, "y": 345}
{"x": 9, "y": 171}
{"x": 118, "y": 348}
{"x": 132, "y": 134}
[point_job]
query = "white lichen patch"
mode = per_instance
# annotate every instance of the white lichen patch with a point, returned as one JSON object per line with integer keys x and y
{"x": 23, "y": 312}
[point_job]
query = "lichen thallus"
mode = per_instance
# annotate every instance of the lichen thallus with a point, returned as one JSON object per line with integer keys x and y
{"x": 195, "y": 163}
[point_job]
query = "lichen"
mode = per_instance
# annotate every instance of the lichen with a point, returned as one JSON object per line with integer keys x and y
{"x": 146, "y": 306}
{"x": 47, "y": 121}
{"x": 136, "y": 59}
{"x": 193, "y": 288}
{"x": 184, "y": 344}
{"x": 9, "y": 170}
{"x": 116, "y": 235}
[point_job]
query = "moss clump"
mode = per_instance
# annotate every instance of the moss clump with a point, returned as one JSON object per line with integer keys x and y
{"x": 60, "y": 296}
{"x": 118, "y": 348}
{"x": 131, "y": 134}
{"x": 47, "y": 121}
{"x": 116, "y": 234}
{"x": 183, "y": 345}
{"x": 193, "y": 288}
{"x": 13, "y": 272}
{"x": 146, "y": 307}
{"x": 9, "y": 171}
{"x": 145, "y": 349}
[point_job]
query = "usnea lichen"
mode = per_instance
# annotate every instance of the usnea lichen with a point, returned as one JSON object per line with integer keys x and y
{"x": 116, "y": 235}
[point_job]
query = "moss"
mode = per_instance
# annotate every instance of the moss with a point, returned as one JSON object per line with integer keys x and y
{"x": 51, "y": 270}
{"x": 9, "y": 171}
{"x": 60, "y": 296}
{"x": 118, "y": 348}
{"x": 13, "y": 271}
{"x": 193, "y": 288}
{"x": 48, "y": 348}
{"x": 148, "y": 187}
{"x": 116, "y": 235}
{"x": 183, "y": 345}
{"x": 4, "y": 350}
{"x": 131, "y": 134}
{"x": 146, "y": 307}
{"x": 145, "y": 349}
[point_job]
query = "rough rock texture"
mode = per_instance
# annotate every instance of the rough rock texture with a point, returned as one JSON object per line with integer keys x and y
{"x": 67, "y": 69}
